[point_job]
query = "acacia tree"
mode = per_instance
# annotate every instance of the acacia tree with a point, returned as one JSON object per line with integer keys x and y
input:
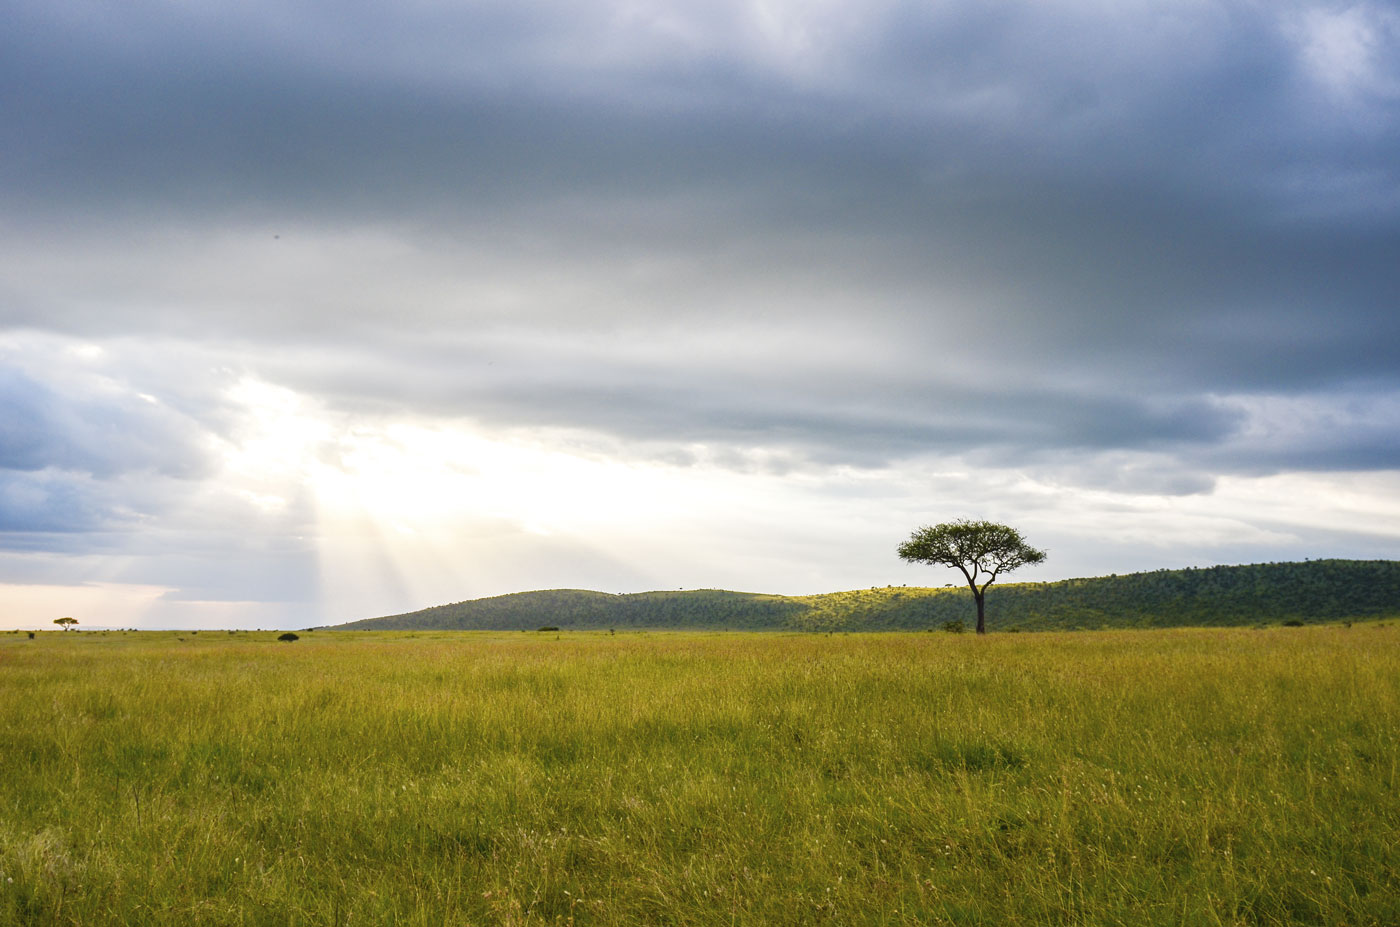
{"x": 982, "y": 550}
{"x": 65, "y": 623}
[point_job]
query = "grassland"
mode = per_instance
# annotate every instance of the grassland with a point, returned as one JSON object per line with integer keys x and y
{"x": 1200, "y": 776}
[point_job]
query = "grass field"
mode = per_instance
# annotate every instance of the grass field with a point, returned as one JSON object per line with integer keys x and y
{"x": 1132, "y": 777}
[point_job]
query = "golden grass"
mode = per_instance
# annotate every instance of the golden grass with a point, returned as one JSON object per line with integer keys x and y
{"x": 1163, "y": 777}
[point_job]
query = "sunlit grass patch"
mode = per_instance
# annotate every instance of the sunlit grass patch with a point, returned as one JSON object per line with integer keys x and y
{"x": 1200, "y": 776}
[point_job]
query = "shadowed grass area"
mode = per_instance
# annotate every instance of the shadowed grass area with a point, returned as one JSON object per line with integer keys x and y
{"x": 1165, "y": 777}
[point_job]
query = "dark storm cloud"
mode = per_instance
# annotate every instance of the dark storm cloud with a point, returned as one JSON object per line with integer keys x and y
{"x": 829, "y": 415}
{"x": 482, "y": 104}
{"x": 1075, "y": 227}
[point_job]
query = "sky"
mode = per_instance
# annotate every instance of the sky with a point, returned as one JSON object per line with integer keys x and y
{"x": 314, "y": 311}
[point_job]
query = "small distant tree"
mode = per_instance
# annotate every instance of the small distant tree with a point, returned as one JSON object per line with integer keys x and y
{"x": 982, "y": 550}
{"x": 65, "y": 623}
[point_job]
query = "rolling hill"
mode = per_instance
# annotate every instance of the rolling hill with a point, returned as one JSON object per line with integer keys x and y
{"x": 1312, "y": 591}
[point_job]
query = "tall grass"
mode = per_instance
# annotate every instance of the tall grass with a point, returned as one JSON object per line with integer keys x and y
{"x": 1167, "y": 777}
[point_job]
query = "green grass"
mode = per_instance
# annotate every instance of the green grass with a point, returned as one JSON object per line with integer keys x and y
{"x": 1131, "y": 777}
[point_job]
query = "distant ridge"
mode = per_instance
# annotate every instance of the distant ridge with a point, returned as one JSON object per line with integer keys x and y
{"x": 581, "y": 608}
{"x": 1311, "y": 591}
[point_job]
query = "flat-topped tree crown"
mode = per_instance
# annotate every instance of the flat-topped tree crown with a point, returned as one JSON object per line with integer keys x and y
{"x": 982, "y": 550}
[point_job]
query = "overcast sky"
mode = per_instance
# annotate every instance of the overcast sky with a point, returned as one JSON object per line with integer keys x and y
{"x": 315, "y": 311}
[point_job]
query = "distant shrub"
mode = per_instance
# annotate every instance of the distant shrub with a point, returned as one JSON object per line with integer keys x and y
{"x": 955, "y": 626}
{"x": 1293, "y": 623}
{"x": 288, "y": 636}
{"x": 549, "y": 627}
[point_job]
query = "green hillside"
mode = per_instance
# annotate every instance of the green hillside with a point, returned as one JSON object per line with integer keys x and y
{"x": 580, "y": 608}
{"x": 1317, "y": 590}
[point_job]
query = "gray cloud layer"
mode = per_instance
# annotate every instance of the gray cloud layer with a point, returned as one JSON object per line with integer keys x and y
{"x": 1031, "y": 233}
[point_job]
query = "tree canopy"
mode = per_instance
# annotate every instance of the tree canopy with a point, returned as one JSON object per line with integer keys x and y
{"x": 982, "y": 550}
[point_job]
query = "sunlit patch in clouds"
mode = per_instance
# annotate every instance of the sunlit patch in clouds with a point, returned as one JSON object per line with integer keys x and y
{"x": 401, "y": 509}
{"x": 418, "y": 477}
{"x": 1351, "y": 50}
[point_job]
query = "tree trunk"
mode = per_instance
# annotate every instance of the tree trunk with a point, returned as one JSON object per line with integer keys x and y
{"x": 981, "y": 598}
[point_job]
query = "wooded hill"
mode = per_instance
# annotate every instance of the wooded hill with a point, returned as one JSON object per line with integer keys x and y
{"x": 1266, "y": 593}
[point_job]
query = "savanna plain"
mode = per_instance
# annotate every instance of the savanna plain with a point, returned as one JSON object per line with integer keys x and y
{"x": 1190, "y": 776}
